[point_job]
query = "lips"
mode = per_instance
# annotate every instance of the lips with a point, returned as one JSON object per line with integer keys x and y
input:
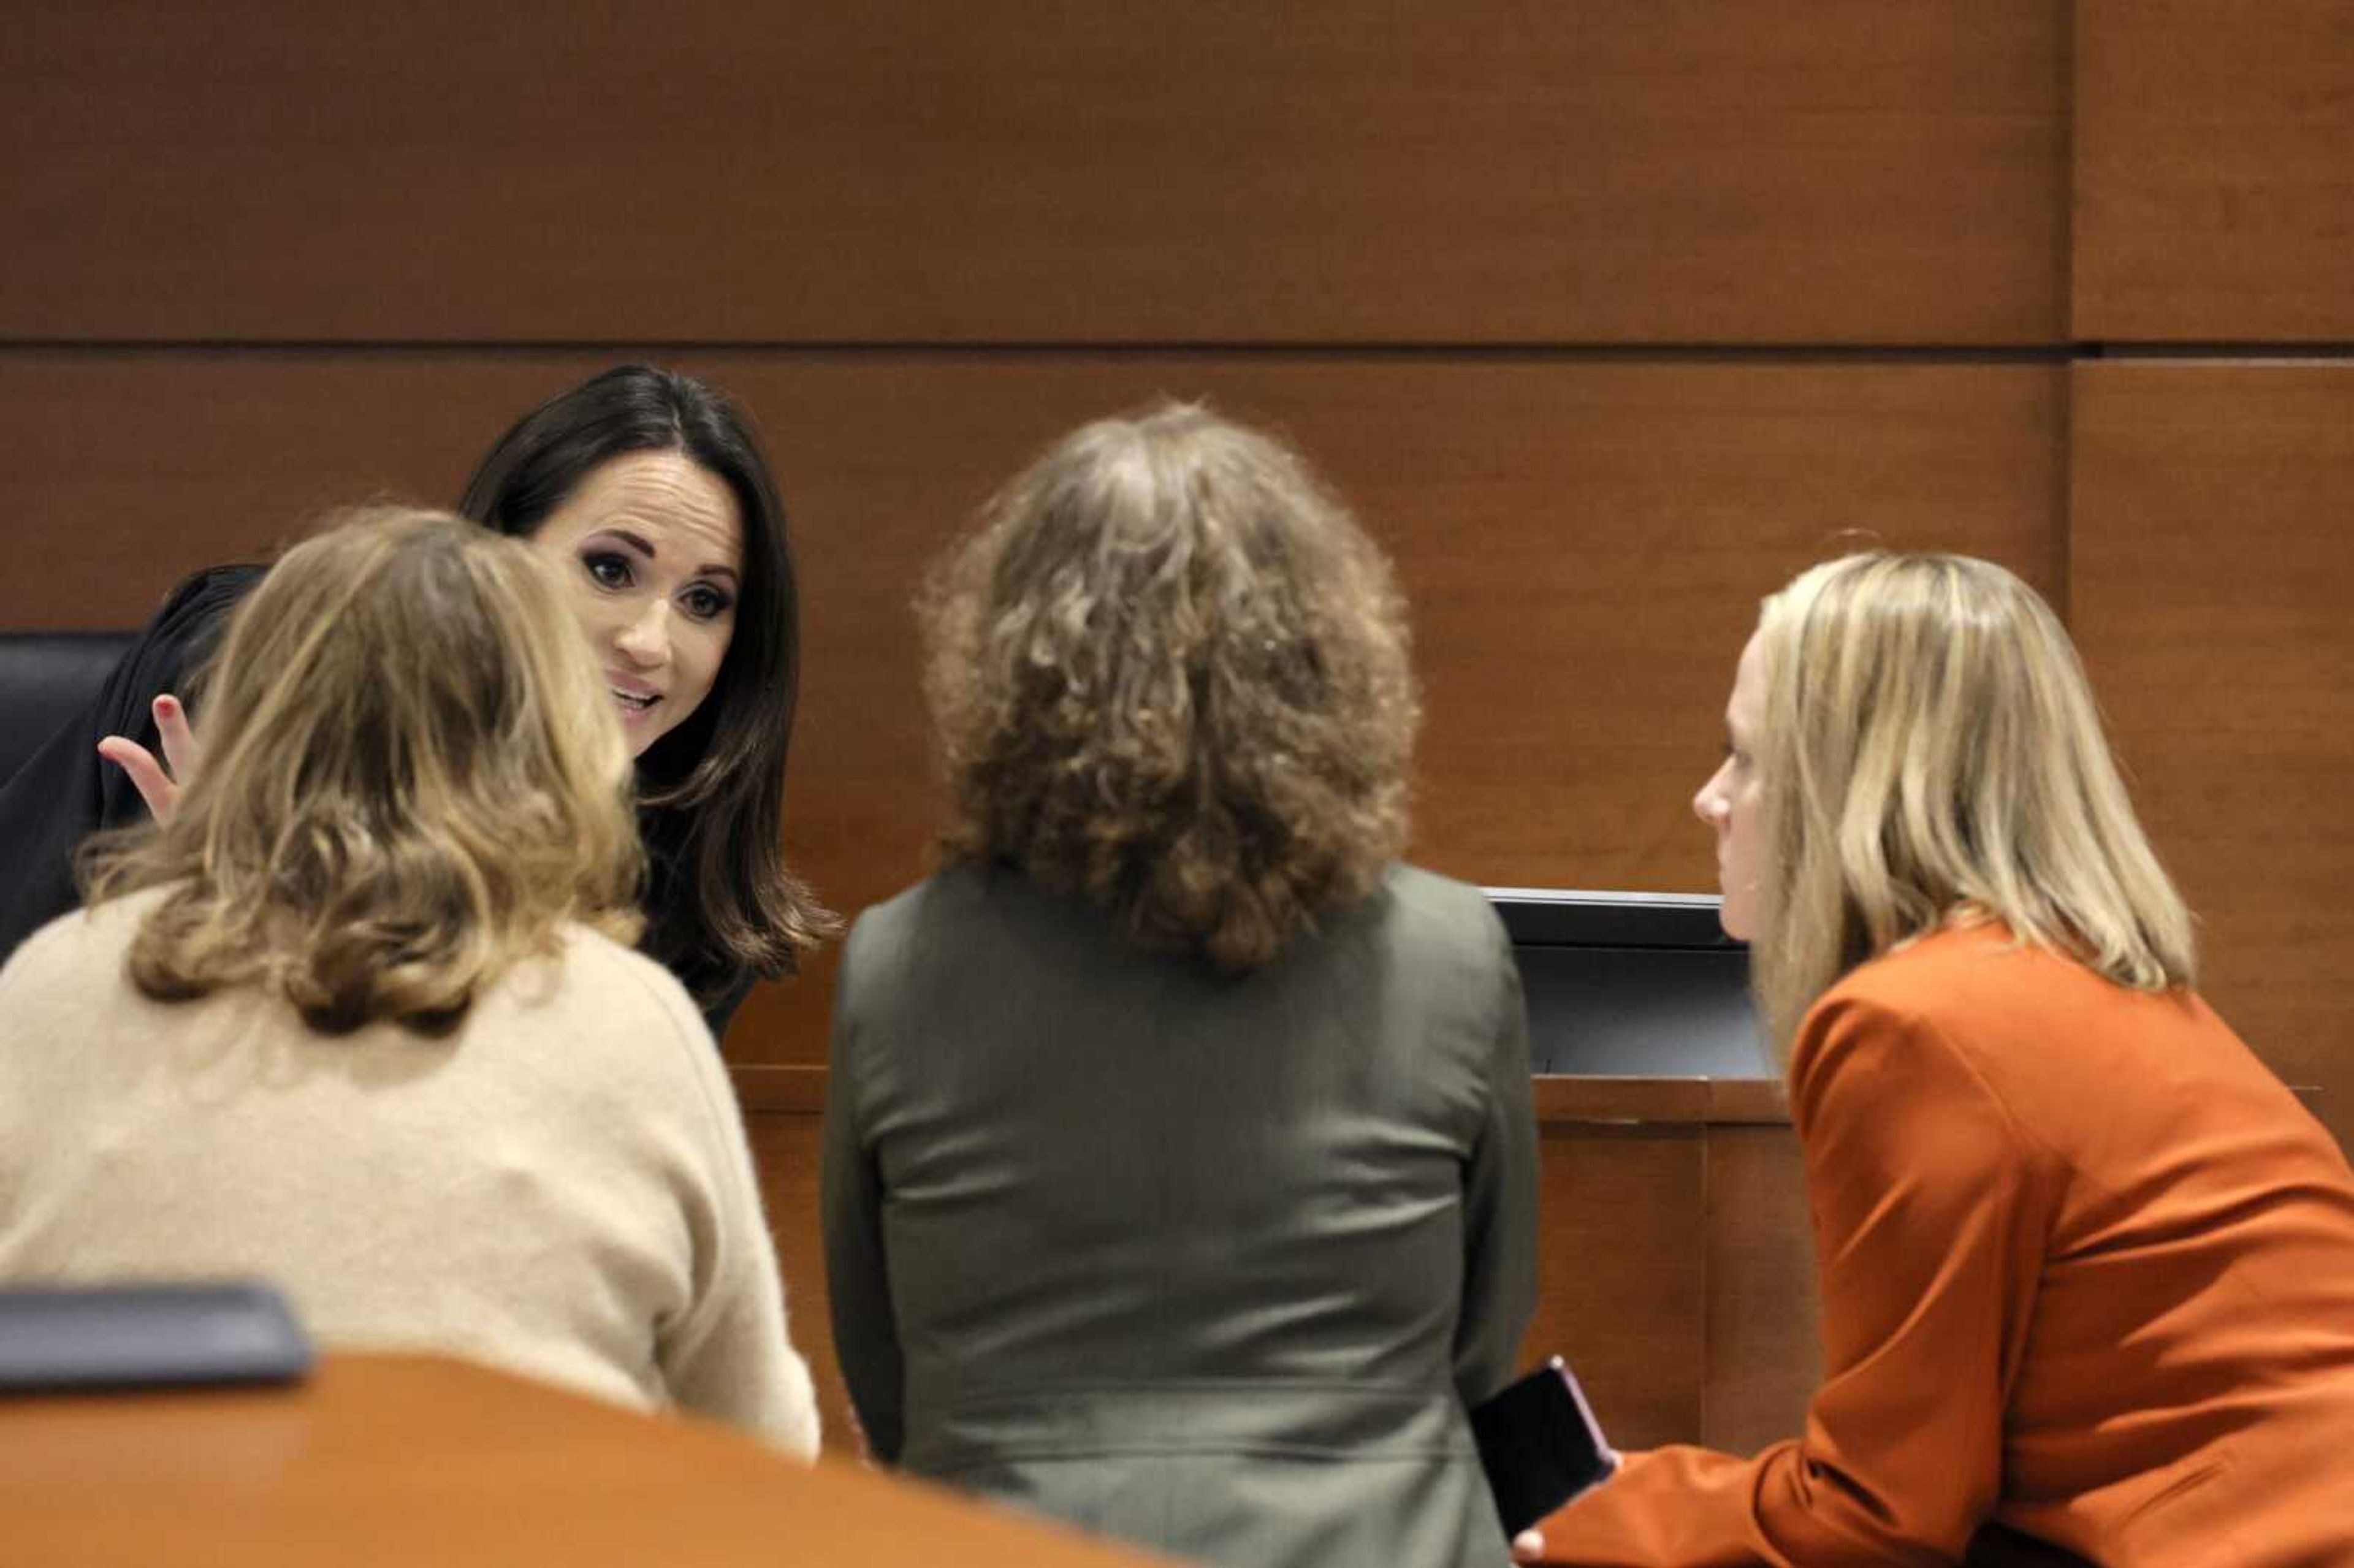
{"x": 632, "y": 695}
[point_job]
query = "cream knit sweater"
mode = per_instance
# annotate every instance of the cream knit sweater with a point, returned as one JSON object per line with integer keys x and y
{"x": 561, "y": 1188}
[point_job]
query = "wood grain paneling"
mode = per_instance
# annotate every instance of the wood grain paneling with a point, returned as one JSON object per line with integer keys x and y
{"x": 2213, "y": 200}
{"x": 1622, "y": 1278}
{"x": 786, "y": 1153}
{"x": 1867, "y": 171}
{"x": 2212, "y": 590}
{"x": 1764, "y": 1320}
{"x": 1583, "y": 542}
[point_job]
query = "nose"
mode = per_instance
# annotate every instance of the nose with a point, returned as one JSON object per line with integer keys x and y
{"x": 644, "y": 637}
{"x": 1709, "y": 803}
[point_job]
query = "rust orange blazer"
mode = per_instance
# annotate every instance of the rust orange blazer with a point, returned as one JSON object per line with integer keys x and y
{"x": 2087, "y": 1271}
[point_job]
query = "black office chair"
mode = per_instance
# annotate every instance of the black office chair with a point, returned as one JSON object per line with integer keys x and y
{"x": 46, "y": 677}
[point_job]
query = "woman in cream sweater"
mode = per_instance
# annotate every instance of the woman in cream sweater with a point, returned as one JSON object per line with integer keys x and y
{"x": 363, "y": 1016}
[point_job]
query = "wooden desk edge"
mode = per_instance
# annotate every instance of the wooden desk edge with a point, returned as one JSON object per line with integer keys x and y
{"x": 800, "y": 1091}
{"x": 269, "y": 1474}
{"x": 1560, "y": 1100}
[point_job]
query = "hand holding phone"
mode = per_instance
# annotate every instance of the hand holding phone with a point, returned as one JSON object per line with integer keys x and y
{"x": 1540, "y": 1445}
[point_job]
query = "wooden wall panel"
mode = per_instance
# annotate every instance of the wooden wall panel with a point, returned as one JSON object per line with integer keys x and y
{"x": 2213, "y": 583}
{"x": 1584, "y": 541}
{"x": 1764, "y": 1319}
{"x": 2213, "y": 199}
{"x": 1500, "y": 171}
{"x": 1622, "y": 1280}
{"x": 785, "y": 1152}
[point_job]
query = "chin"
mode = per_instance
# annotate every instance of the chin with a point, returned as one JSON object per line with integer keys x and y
{"x": 639, "y": 731}
{"x": 638, "y": 740}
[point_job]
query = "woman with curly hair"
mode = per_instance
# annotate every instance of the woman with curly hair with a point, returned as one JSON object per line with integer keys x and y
{"x": 1180, "y": 1172}
{"x": 362, "y": 1015}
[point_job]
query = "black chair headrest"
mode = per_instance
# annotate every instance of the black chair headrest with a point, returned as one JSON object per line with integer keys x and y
{"x": 46, "y": 678}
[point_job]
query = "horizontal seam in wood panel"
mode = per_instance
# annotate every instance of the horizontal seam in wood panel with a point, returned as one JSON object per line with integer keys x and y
{"x": 1533, "y": 352}
{"x": 2265, "y": 353}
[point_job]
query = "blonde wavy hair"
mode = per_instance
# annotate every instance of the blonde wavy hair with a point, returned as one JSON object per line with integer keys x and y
{"x": 1932, "y": 754}
{"x": 1171, "y": 673}
{"x": 412, "y": 777}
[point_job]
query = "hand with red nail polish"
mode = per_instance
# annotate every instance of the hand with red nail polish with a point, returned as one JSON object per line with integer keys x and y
{"x": 159, "y": 783}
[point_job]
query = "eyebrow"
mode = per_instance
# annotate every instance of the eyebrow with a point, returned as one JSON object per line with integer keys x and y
{"x": 644, "y": 546}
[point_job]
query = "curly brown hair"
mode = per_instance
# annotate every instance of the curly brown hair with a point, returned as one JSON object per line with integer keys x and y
{"x": 1171, "y": 673}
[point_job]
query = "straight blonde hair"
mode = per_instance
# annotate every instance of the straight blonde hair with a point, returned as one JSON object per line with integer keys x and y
{"x": 412, "y": 779}
{"x": 1931, "y": 755}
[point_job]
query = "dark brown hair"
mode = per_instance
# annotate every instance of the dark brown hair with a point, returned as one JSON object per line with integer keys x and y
{"x": 711, "y": 792}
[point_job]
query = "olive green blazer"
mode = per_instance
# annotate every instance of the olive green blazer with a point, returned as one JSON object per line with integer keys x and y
{"x": 1210, "y": 1263}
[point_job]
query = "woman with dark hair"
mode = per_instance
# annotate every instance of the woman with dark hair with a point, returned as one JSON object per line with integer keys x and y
{"x": 648, "y": 489}
{"x": 1180, "y": 1170}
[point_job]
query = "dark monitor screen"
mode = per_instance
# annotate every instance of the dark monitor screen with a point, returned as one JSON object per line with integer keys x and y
{"x": 1632, "y": 985}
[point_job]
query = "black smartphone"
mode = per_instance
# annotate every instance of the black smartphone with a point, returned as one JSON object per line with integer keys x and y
{"x": 57, "y": 1337}
{"x": 1540, "y": 1445}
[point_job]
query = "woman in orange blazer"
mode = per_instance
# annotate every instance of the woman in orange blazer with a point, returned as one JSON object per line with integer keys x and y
{"x": 2086, "y": 1268}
